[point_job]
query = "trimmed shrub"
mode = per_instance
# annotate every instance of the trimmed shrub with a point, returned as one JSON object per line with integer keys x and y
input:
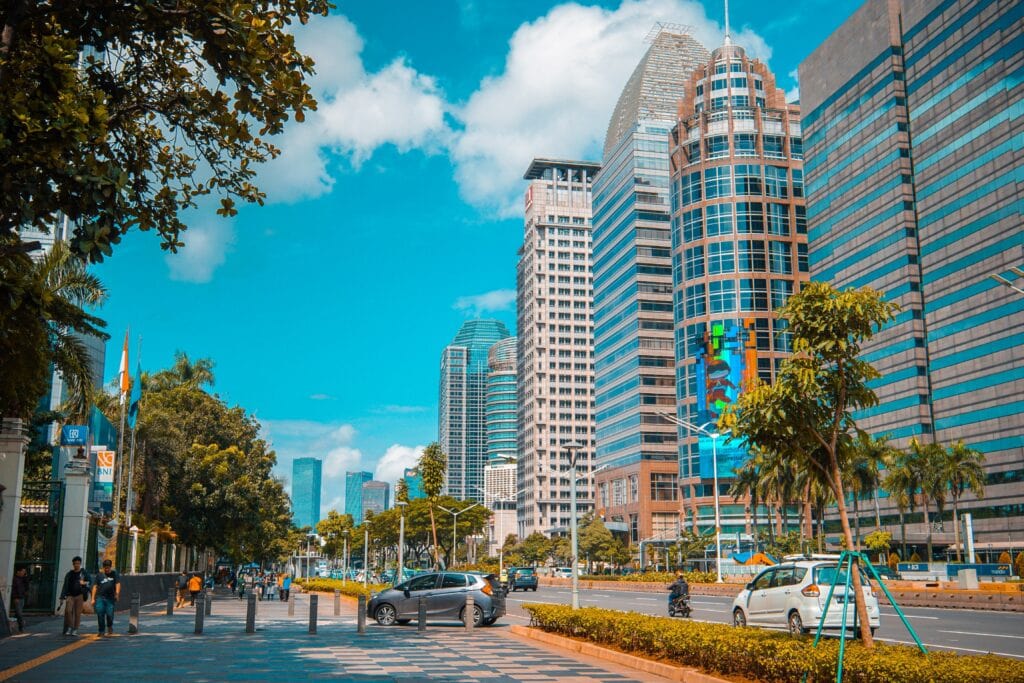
{"x": 894, "y": 561}
{"x": 654, "y": 577}
{"x": 1004, "y": 558}
{"x": 766, "y": 656}
{"x": 350, "y": 588}
{"x": 1018, "y": 565}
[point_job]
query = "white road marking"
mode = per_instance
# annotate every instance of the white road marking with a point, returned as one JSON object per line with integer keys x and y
{"x": 648, "y": 600}
{"x": 992, "y": 635}
{"x": 951, "y": 647}
{"x": 908, "y": 616}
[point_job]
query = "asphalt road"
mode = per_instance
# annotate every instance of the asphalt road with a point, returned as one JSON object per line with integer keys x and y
{"x": 961, "y": 630}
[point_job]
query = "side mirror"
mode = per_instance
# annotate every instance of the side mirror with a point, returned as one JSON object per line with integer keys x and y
{"x": 406, "y": 591}
{"x": 750, "y": 586}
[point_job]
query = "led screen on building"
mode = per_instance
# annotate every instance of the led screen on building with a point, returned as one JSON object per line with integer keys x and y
{"x": 727, "y": 363}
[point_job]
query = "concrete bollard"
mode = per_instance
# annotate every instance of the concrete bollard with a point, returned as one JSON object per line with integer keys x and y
{"x": 208, "y": 602}
{"x": 421, "y": 614}
{"x": 467, "y": 614}
{"x": 250, "y": 614}
{"x": 291, "y": 605}
{"x": 200, "y": 612}
{"x": 361, "y": 616}
{"x": 337, "y": 603}
{"x": 172, "y": 597}
{"x": 133, "y": 613}
{"x": 313, "y": 602}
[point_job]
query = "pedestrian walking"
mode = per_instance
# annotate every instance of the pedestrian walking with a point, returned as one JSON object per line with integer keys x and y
{"x": 286, "y": 587}
{"x": 280, "y": 587}
{"x": 195, "y": 584}
{"x": 74, "y": 593}
{"x": 105, "y": 593}
{"x": 182, "y": 585}
{"x": 19, "y": 590}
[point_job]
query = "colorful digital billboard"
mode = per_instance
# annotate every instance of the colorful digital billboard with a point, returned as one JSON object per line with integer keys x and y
{"x": 728, "y": 362}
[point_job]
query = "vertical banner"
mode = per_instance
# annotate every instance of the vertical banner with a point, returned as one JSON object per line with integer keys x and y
{"x": 103, "y": 481}
{"x": 722, "y": 370}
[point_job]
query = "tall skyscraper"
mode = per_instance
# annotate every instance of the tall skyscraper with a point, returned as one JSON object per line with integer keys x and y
{"x": 500, "y": 403}
{"x": 500, "y": 498}
{"x": 914, "y": 117}
{"x": 633, "y": 321}
{"x": 306, "y": 491}
{"x": 739, "y": 251}
{"x": 376, "y": 497}
{"x": 554, "y": 295}
{"x": 354, "y": 494}
{"x": 462, "y": 427}
{"x": 414, "y": 483}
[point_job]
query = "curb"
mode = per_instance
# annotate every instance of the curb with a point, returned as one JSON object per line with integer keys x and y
{"x": 669, "y": 671}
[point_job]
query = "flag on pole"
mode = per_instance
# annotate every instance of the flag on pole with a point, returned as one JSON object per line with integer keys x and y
{"x": 123, "y": 379}
{"x": 133, "y": 404}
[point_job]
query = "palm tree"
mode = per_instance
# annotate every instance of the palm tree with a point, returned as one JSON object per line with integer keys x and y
{"x": 901, "y": 483}
{"x": 778, "y": 476}
{"x": 184, "y": 373}
{"x": 926, "y": 459}
{"x": 432, "y": 465}
{"x": 963, "y": 471}
{"x": 747, "y": 483}
{"x": 863, "y": 474}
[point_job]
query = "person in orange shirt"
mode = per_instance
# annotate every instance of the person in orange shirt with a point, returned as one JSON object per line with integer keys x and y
{"x": 195, "y": 584}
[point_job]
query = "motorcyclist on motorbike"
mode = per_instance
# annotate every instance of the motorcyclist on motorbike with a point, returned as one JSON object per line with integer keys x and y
{"x": 679, "y": 589}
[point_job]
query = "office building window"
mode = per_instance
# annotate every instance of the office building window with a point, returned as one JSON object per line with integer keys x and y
{"x": 801, "y": 219}
{"x": 718, "y": 182}
{"x": 721, "y": 258}
{"x": 778, "y": 220}
{"x": 781, "y": 262}
{"x": 696, "y": 302}
{"x": 773, "y": 147}
{"x": 719, "y": 220}
{"x": 693, "y": 224}
{"x": 753, "y": 294}
{"x": 801, "y": 258}
{"x": 664, "y": 486}
{"x": 722, "y": 296}
{"x": 798, "y": 182}
{"x": 634, "y": 488}
{"x": 775, "y": 182}
{"x": 690, "y": 188}
{"x": 744, "y": 142}
{"x": 750, "y": 218}
{"x": 751, "y": 256}
{"x": 694, "y": 262}
{"x": 781, "y": 291}
{"x": 748, "y": 180}
{"x": 796, "y": 148}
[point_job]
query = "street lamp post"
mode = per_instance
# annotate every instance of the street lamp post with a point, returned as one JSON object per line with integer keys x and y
{"x": 401, "y": 543}
{"x": 366, "y": 558}
{"x": 572, "y": 447}
{"x": 344, "y": 559}
{"x": 703, "y": 429}
{"x": 455, "y": 523}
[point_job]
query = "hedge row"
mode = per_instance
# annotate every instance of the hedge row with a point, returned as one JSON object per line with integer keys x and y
{"x": 351, "y": 588}
{"x": 766, "y": 655}
{"x": 654, "y": 577}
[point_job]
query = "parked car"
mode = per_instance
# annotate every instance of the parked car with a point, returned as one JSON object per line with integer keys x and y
{"x": 445, "y": 596}
{"x": 792, "y": 595}
{"x": 522, "y": 578}
{"x": 562, "y": 573}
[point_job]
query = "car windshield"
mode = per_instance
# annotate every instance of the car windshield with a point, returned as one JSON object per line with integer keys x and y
{"x": 825, "y": 575}
{"x": 525, "y": 572}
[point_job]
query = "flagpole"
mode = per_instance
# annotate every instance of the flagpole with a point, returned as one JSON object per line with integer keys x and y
{"x": 119, "y": 469}
{"x": 131, "y": 471}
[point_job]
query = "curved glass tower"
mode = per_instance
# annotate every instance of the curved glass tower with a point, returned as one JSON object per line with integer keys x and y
{"x": 739, "y": 251}
{"x": 500, "y": 407}
{"x": 634, "y": 376}
{"x": 462, "y": 427}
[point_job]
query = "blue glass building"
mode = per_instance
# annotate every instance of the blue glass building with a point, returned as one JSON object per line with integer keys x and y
{"x": 354, "y": 494}
{"x": 414, "y": 484}
{"x": 500, "y": 408}
{"x": 306, "y": 474}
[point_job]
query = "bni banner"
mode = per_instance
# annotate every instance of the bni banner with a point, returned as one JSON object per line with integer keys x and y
{"x": 103, "y": 482}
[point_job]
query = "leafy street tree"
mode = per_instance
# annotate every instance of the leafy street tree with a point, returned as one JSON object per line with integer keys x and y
{"x": 43, "y": 316}
{"x": 119, "y": 115}
{"x": 808, "y": 412}
{"x": 879, "y": 542}
{"x": 963, "y": 470}
{"x": 333, "y": 528}
{"x": 596, "y": 543}
{"x": 535, "y": 548}
{"x": 402, "y": 491}
{"x": 432, "y": 465}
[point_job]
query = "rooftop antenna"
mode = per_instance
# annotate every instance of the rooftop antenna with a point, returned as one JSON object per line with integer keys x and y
{"x": 728, "y": 39}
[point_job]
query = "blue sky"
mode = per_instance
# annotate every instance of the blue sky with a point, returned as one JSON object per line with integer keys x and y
{"x": 394, "y": 213}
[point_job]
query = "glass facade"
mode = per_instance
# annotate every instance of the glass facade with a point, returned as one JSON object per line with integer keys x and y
{"x": 500, "y": 409}
{"x": 376, "y": 497}
{"x": 462, "y": 424}
{"x": 914, "y": 147}
{"x": 735, "y": 252}
{"x": 414, "y": 484}
{"x": 306, "y": 473}
{"x": 354, "y": 494}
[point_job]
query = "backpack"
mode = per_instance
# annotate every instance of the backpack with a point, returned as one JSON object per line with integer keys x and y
{"x": 195, "y": 584}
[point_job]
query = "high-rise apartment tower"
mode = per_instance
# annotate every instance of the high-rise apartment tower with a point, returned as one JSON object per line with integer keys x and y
{"x": 306, "y": 491}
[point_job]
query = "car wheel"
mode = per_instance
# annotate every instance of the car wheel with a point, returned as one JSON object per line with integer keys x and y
{"x": 385, "y": 615}
{"x": 873, "y": 631}
{"x": 490, "y": 622}
{"x": 478, "y": 615}
{"x": 739, "y": 619}
{"x": 796, "y": 624}
{"x": 534, "y": 589}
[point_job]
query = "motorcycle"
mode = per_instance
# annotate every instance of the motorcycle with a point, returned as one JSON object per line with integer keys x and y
{"x": 679, "y": 606}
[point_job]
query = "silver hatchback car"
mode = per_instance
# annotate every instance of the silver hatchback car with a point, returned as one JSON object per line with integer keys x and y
{"x": 445, "y": 596}
{"x": 792, "y": 595}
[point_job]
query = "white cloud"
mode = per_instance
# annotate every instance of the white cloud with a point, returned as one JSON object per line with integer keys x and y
{"x": 358, "y": 112}
{"x": 562, "y": 76}
{"x": 478, "y": 304}
{"x": 793, "y": 94}
{"x": 321, "y": 397}
{"x": 207, "y": 242}
{"x": 395, "y": 461}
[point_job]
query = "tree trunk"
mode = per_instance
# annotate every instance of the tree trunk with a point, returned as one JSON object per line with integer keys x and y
{"x": 856, "y": 523}
{"x": 903, "y": 534}
{"x": 808, "y": 521}
{"x": 928, "y": 527}
{"x": 861, "y": 606}
{"x": 878, "y": 513}
{"x": 956, "y": 526}
{"x": 433, "y": 528}
{"x": 753, "y": 514}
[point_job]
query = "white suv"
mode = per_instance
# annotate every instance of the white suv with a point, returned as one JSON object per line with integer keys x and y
{"x": 792, "y": 595}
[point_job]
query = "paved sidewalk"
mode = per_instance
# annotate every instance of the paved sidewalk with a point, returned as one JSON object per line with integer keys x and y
{"x": 166, "y": 649}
